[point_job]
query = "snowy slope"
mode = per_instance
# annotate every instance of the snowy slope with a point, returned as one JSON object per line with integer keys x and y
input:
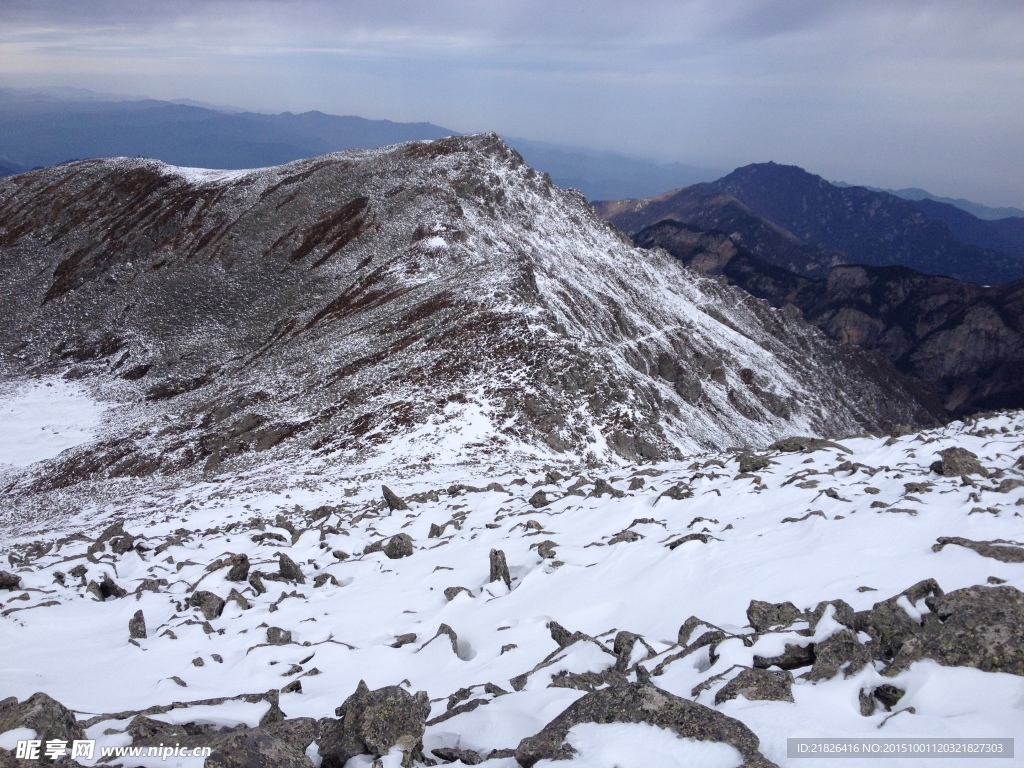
{"x": 860, "y": 521}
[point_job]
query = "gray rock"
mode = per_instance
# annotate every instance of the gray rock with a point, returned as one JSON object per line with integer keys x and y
{"x": 452, "y": 592}
{"x": 1004, "y": 551}
{"x": 546, "y": 549}
{"x": 751, "y": 462}
{"x": 763, "y": 616}
{"x": 239, "y": 567}
{"x": 297, "y": 732}
{"x": 539, "y": 499}
{"x": 393, "y": 500}
{"x": 640, "y": 703}
{"x": 278, "y": 636}
{"x": 450, "y": 755}
{"x": 323, "y": 578}
{"x": 109, "y": 588}
{"x": 805, "y": 445}
{"x": 794, "y": 657}
{"x": 47, "y": 717}
{"x": 9, "y": 580}
{"x": 758, "y": 685}
{"x": 372, "y": 723}
{"x": 399, "y": 546}
{"x": 889, "y": 625}
{"x": 210, "y": 604}
{"x": 409, "y": 637}
{"x": 288, "y": 570}
{"x": 842, "y": 611}
{"x": 254, "y": 748}
{"x": 499, "y": 568}
{"x": 256, "y": 582}
{"x": 980, "y": 627}
{"x": 602, "y": 486}
{"x": 956, "y": 461}
{"x": 842, "y": 651}
{"x": 137, "y": 627}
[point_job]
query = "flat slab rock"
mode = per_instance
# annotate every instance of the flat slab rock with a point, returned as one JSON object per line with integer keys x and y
{"x": 641, "y": 703}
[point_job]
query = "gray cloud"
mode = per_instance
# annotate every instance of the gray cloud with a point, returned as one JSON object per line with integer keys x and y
{"x": 919, "y": 92}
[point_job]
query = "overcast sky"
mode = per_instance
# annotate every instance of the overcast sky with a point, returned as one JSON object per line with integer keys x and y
{"x": 891, "y": 93}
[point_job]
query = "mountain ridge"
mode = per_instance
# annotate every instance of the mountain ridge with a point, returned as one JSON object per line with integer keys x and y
{"x": 342, "y": 302}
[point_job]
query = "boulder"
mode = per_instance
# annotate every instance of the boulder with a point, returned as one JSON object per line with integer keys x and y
{"x": 393, "y": 500}
{"x": 254, "y": 748}
{"x": 9, "y": 580}
{"x": 374, "y": 722}
{"x": 954, "y": 462}
{"x": 47, "y": 717}
{"x": 208, "y": 603}
{"x": 1004, "y": 551}
{"x": 888, "y": 623}
{"x": 980, "y": 627}
{"x": 399, "y": 546}
{"x": 763, "y": 616}
{"x": 640, "y": 703}
{"x": 843, "y": 651}
{"x": 137, "y": 627}
{"x": 239, "y": 567}
{"x": 758, "y": 685}
{"x": 499, "y": 568}
{"x": 539, "y": 499}
{"x": 278, "y": 636}
{"x": 288, "y": 570}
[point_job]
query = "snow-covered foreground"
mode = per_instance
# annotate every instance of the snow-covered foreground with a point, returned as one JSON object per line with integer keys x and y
{"x": 590, "y": 555}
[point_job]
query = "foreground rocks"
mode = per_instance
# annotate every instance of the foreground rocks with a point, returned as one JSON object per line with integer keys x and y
{"x": 641, "y": 703}
{"x": 374, "y": 722}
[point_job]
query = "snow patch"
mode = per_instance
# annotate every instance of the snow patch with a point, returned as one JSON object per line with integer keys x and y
{"x": 40, "y": 419}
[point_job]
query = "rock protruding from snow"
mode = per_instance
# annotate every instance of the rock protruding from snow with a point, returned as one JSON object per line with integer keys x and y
{"x": 375, "y": 722}
{"x": 50, "y": 719}
{"x": 641, "y": 703}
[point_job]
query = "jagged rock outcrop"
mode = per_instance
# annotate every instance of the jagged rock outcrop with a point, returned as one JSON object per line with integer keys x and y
{"x": 335, "y": 304}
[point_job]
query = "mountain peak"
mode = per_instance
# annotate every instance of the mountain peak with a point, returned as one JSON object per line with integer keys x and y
{"x": 423, "y": 299}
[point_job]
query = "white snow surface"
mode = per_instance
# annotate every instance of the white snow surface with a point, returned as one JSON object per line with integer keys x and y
{"x": 59, "y": 638}
{"x": 41, "y": 418}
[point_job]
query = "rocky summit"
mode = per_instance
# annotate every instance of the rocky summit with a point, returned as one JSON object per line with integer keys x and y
{"x": 422, "y": 296}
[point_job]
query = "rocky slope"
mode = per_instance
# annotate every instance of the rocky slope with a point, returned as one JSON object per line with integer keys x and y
{"x": 417, "y": 297}
{"x": 698, "y": 612}
{"x": 962, "y": 341}
{"x": 852, "y": 225}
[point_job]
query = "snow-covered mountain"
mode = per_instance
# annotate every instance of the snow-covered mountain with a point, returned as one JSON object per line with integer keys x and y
{"x": 439, "y": 298}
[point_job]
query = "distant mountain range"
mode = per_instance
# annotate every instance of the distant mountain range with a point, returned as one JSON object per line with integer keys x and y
{"x": 977, "y": 209}
{"x": 963, "y": 342}
{"x": 44, "y": 127}
{"x": 801, "y": 222}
